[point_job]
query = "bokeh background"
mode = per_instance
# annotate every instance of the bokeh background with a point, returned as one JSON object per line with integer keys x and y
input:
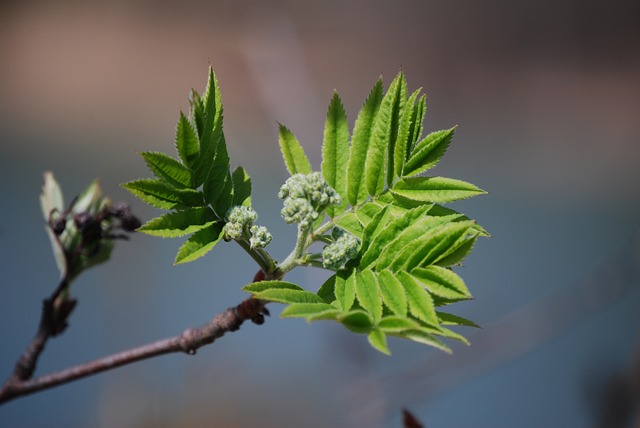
{"x": 546, "y": 94}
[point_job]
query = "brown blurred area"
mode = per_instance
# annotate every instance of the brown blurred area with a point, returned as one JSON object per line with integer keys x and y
{"x": 547, "y": 97}
{"x": 564, "y": 74}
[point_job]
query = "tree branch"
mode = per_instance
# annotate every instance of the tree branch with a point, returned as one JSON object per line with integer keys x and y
{"x": 188, "y": 341}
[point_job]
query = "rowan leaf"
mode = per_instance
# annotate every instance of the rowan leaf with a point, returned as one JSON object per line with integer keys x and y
{"x": 179, "y": 223}
{"x": 434, "y": 189}
{"x": 159, "y": 194}
{"x": 378, "y": 340}
{"x": 392, "y": 293}
{"x": 168, "y": 169}
{"x": 428, "y": 152}
{"x": 442, "y": 282}
{"x": 310, "y": 311}
{"x": 383, "y": 134}
{"x": 358, "y": 153}
{"x": 335, "y": 152}
{"x": 187, "y": 143}
{"x": 200, "y": 243}
{"x": 420, "y": 302}
{"x": 368, "y": 294}
{"x": 294, "y": 157}
{"x": 241, "y": 187}
{"x": 404, "y": 139}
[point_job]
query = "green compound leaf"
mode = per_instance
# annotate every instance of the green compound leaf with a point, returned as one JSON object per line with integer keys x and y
{"x": 428, "y": 152}
{"x": 356, "y": 189}
{"x": 404, "y": 139}
{"x": 294, "y": 157}
{"x": 187, "y": 143}
{"x": 168, "y": 169}
{"x": 420, "y": 302}
{"x": 383, "y": 134}
{"x": 442, "y": 283}
{"x": 335, "y": 151}
{"x": 241, "y": 187}
{"x": 368, "y": 294}
{"x": 179, "y": 223}
{"x": 310, "y": 311}
{"x": 434, "y": 189}
{"x": 392, "y": 293}
{"x": 378, "y": 340}
{"x": 375, "y": 227}
{"x": 159, "y": 194}
{"x": 200, "y": 243}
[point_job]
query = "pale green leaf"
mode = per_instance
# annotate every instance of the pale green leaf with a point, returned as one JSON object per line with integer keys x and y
{"x": 356, "y": 189}
{"x": 383, "y": 137}
{"x": 310, "y": 311}
{"x": 404, "y": 140}
{"x": 439, "y": 210}
{"x": 392, "y": 292}
{"x": 421, "y": 336}
{"x": 357, "y": 321}
{"x": 450, "y": 319}
{"x": 428, "y": 152}
{"x": 417, "y": 123}
{"x": 199, "y": 243}
{"x": 378, "y": 340}
{"x": 409, "y": 240}
{"x": 161, "y": 195}
{"x": 442, "y": 282}
{"x": 450, "y": 334}
{"x": 168, "y": 169}
{"x": 367, "y": 212}
{"x": 289, "y": 296}
{"x": 179, "y": 223}
{"x": 349, "y": 222}
{"x": 335, "y": 151}
{"x": 420, "y": 301}
{"x": 435, "y": 189}
{"x": 294, "y": 157}
{"x": 368, "y": 294}
{"x": 260, "y": 286}
{"x": 377, "y": 224}
{"x": 439, "y": 243}
{"x": 389, "y": 232}
{"x": 394, "y": 324}
{"x": 345, "y": 289}
{"x": 222, "y": 204}
{"x": 457, "y": 253}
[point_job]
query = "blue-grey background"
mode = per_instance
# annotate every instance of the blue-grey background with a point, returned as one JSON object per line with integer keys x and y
{"x": 547, "y": 98}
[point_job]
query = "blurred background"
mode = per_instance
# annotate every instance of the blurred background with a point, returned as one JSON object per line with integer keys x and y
{"x": 547, "y": 98}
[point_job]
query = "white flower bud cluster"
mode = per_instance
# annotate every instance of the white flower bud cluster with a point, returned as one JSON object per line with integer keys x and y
{"x": 305, "y": 197}
{"x": 345, "y": 246}
{"x": 240, "y": 226}
{"x": 260, "y": 237}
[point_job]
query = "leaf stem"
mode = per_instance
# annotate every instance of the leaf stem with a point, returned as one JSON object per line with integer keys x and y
{"x": 261, "y": 256}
